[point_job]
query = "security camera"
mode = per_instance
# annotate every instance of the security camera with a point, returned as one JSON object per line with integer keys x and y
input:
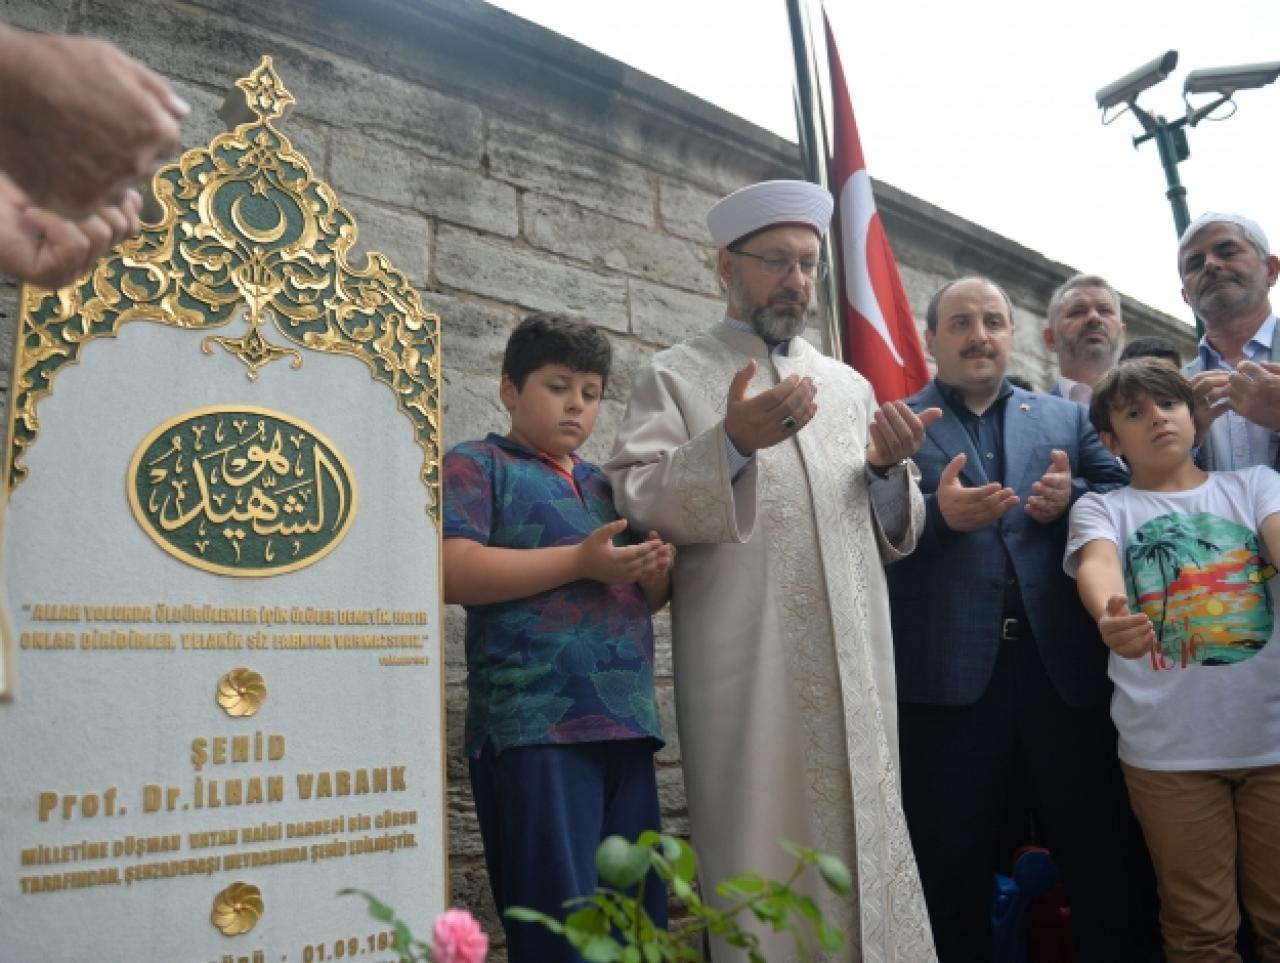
{"x": 1126, "y": 89}
{"x": 1225, "y": 81}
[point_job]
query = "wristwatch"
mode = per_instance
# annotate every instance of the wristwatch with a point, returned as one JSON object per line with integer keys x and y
{"x": 888, "y": 470}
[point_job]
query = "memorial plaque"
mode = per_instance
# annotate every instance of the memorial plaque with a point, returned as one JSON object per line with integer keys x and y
{"x": 223, "y": 679}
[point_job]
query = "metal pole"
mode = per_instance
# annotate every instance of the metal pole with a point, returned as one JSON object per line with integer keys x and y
{"x": 813, "y": 154}
{"x": 1171, "y": 142}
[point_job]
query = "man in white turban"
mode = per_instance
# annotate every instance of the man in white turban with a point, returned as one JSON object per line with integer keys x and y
{"x": 786, "y": 489}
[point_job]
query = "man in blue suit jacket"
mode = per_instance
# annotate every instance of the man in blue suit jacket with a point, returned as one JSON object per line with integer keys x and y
{"x": 1002, "y": 677}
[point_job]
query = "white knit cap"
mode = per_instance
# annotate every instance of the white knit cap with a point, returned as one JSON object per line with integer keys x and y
{"x": 766, "y": 204}
{"x": 1252, "y": 230}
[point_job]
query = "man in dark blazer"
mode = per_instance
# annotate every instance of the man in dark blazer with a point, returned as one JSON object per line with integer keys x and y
{"x": 1002, "y": 677}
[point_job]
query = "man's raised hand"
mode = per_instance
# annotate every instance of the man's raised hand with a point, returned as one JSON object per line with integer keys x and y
{"x": 1253, "y": 391}
{"x": 770, "y": 417}
{"x": 42, "y": 248}
{"x": 81, "y": 122}
{"x": 1209, "y": 400}
{"x": 897, "y": 432}
{"x": 969, "y": 509}
{"x": 1051, "y": 495}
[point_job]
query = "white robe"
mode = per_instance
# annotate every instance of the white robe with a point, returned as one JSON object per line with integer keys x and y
{"x": 783, "y": 653}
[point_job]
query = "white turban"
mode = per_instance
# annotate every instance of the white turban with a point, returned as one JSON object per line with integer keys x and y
{"x": 767, "y": 204}
{"x": 1252, "y": 230}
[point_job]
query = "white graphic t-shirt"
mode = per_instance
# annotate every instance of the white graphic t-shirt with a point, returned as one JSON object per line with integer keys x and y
{"x": 1207, "y": 696}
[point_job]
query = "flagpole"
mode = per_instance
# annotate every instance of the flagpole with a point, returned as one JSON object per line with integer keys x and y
{"x": 814, "y": 151}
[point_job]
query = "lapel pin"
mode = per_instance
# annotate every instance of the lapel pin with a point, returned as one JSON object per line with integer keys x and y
{"x": 1024, "y": 406}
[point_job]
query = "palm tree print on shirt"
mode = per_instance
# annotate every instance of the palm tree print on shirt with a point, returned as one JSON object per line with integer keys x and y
{"x": 1202, "y": 581}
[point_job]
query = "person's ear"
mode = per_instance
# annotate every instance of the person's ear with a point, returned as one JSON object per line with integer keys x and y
{"x": 508, "y": 392}
{"x": 724, "y": 264}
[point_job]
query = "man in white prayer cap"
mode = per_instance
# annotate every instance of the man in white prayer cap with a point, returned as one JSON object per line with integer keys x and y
{"x": 786, "y": 490}
{"x": 1227, "y": 272}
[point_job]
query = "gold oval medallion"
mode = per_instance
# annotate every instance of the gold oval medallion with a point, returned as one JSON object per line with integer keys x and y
{"x": 240, "y": 490}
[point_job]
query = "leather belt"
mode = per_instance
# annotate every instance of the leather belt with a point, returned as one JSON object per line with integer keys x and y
{"x": 1014, "y": 629}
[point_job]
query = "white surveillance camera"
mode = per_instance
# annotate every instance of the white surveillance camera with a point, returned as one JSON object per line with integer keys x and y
{"x": 1225, "y": 81}
{"x": 1126, "y": 89}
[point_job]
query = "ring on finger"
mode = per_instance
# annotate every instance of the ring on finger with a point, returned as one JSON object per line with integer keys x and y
{"x": 789, "y": 423}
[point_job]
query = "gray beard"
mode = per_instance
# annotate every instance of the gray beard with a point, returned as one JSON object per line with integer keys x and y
{"x": 776, "y": 327}
{"x": 1225, "y": 303}
{"x": 1095, "y": 355}
{"x": 771, "y": 325}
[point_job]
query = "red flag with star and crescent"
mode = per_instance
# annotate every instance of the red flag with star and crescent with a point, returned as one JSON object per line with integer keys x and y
{"x": 879, "y": 331}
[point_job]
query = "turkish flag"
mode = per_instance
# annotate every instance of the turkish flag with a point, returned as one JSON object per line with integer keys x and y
{"x": 880, "y": 336}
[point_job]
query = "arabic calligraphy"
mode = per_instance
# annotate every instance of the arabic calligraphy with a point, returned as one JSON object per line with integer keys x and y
{"x": 240, "y": 490}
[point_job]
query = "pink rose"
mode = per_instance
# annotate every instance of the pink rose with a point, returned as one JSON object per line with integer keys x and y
{"x": 457, "y": 938}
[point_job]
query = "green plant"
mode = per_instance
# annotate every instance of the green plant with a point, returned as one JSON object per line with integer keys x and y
{"x": 611, "y": 926}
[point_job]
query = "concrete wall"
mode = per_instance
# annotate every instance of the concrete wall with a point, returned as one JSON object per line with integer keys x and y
{"x": 505, "y": 168}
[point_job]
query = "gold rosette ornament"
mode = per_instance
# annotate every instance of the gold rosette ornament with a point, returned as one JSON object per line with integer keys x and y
{"x": 241, "y": 692}
{"x": 237, "y": 909}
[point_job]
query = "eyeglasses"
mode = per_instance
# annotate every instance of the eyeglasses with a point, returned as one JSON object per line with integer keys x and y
{"x": 780, "y": 267}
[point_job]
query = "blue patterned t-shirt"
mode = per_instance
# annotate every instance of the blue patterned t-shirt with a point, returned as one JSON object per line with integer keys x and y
{"x": 573, "y": 664}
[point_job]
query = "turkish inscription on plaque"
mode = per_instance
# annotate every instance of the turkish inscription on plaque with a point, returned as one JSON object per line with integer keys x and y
{"x": 225, "y": 686}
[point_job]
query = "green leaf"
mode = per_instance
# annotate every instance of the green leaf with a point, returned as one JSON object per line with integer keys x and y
{"x": 619, "y": 910}
{"x": 835, "y": 873}
{"x": 772, "y": 910}
{"x": 377, "y": 909}
{"x": 742, "y": 884}
{"x": 533, "y": 916}
{"x": 590, "y": 920}
{"x": 830, "y": 937}
{"x": 620, "y": 864}
{"x": 600, "y": 949}
{"x": 630, "y": 954}
{"x": 404, "y": 939}
{"x": 796, "y": 850}
{"x": 805, "y": 906}
{"x": 686, "y": 863}
{"x": 682, "y": 890}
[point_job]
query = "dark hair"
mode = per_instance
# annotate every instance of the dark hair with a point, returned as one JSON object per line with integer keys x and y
{"x": 1128, "y": 381}
{"x": 1152, "y": 347}
{"x": 543, "y": 339}
{"x": 931, "y": 312}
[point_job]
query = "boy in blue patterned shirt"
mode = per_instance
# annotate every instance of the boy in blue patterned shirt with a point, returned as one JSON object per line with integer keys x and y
{"x": 562, "y": 720}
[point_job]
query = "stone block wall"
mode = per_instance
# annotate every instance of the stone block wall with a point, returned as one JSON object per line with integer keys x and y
{"x": 505, "y": 169}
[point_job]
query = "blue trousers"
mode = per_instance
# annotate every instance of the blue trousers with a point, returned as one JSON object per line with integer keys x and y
{"x": 543, "y": 810}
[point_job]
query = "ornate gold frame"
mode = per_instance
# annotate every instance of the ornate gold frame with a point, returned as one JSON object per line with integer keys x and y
{"x": 200, "y": 266}
{"x": 245, "y": 227}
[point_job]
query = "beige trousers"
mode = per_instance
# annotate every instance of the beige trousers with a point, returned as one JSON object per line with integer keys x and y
{"x": 1214, "y": 839}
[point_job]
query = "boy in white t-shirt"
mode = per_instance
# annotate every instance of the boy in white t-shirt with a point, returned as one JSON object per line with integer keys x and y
{"x": 1172, "y": 569}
